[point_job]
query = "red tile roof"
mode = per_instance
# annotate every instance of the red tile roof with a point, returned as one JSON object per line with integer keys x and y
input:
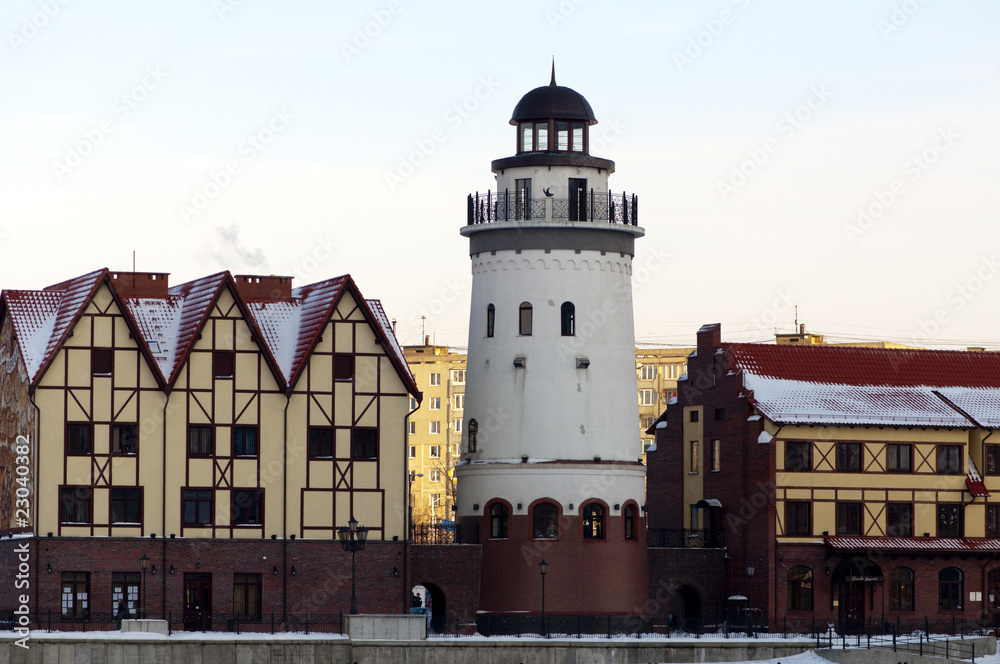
{"x": 868, "y": 366}
{"x": 842, "y": 543}
{"x": 167, "y": 327}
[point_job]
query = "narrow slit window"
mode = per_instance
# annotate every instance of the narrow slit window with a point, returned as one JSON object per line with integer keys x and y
{"x": 524, "y": 319}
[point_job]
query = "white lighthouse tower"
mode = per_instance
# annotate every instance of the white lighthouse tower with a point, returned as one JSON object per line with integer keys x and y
{"x": 550, "y": 463}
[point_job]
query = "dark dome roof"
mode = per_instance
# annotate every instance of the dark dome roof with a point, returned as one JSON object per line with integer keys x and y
{"x": 553, "y": 102}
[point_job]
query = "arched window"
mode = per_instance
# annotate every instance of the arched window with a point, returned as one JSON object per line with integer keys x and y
{"x": 629, "y": 513}
{"x": 524, "y": 319}
{"x": 568, "y": 319}
{"x": 800, "y": 589}
{"x": 901, "y": 589}
{"x": 474, "y": 434}
{"x": 593, "y": 521}
{"x": 499, "y": 515}
{"x": 950, "y": 589}
{"x": 545, "y": 518}
{"x": 491, "y": 314}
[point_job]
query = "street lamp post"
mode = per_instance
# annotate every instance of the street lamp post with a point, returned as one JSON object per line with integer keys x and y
{"x": 750, "y": 626}
{"x": 353, "y": 539}
{"x": 144, "y": 563}
{"x": 543, "y": 567}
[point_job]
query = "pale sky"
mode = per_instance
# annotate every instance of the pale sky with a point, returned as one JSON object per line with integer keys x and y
{"x": 316, "y": 138}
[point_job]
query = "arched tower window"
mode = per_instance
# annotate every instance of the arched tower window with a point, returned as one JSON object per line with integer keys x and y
{"x": 524, "y": 319}
{"x": 800, "y": 589}
{"x": 568, "y": 319}
{"x": 491, "y": 314}
{"x": 593, "y": 521}
{"x": 473, "y": 434}
{"x": 545, "y": 521}
{"x": 629, "y": 515}
{"x": 499, "y": 517}
{"x": 901, "y": 589}
{"x": 950, "y": 589}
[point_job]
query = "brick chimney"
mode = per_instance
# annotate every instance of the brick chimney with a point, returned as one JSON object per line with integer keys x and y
{"x": 709, "y": 338}
{"x": 141, "y": 284}
{"x": 268, "y": 289}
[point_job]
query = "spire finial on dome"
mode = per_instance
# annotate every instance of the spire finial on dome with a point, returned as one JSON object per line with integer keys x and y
{"x": 553, "y": 82}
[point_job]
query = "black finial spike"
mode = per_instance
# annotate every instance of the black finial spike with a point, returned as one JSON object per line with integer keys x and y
{"x": 553, "y": 82}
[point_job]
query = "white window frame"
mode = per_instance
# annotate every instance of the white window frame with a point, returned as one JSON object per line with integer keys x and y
{"x": 456, "y": 425}
{"x": 458, "y": 401}
{"x": 434, "y": 427}
{"x": 645, "y": 370}
{"x": 435, "y": 451}
{"x": 458, "y": 376}
{"x": 647, "y": 397}
{"x": 413, "y": 428}
{"x": 435, "y": 380}
{"x": 413, "y": 451}
{"x": 435, "y": 475}
{"x": 434, "y": 403}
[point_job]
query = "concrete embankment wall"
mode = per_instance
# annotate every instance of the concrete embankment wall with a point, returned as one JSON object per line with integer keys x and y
{"x": 113, "y": 648}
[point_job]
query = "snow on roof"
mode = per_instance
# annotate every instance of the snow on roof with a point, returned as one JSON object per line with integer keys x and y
{"x": 376, "y": 308}
{"x": 914, "y": 543}
{"x": 169, "y": 325}
{"x": 870, "y": 386}
{"x": 41, "y": 319}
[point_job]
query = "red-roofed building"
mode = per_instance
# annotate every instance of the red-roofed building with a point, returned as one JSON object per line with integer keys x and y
{"x": 225, "y": 429}
{"x": 861, "y": 484}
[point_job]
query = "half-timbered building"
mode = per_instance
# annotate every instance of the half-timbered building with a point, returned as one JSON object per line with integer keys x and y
{"x": 223, "y": 430}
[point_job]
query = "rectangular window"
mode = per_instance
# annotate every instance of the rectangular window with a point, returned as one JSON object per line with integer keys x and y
{"x": 798, "y": 519}
{"x": 435, "y": 379}
{"x": 458, "y": 401}
{"x": 79, "y": 438}
{"x": 456, "y": 425}
{"x": 647, "y": 372}
{"x": 124, "y": 439}
{"x": 435, "y": 500}
{"x": 435, "y": 475}
{"x": 245, "y": 441}
{"x": 695, "y": 521}
{"x": 223, "y": 363}
{"x": 247, "y": 507}
{"x": 197, "y": 507}
{"x": 76, "y": 505}
{"x": 647, "y": 397}
{"x": 413, "y": 403}
{"x": 849, "y": 519}
{"x": 125, "y": 586}
{"x": 343, "y": 367}
{"x": 694, "y": 456}
{"x": 522, "y": 199}
{"x": 412, "y": 426}
{"x": 577, "y": 136}
{"x": 899, "y": 458}
{"x": 526, "y": 137}
{"x": 435, "y": 427}
{"x": 364, "y": 443}
{"x": 126, "y": 505}
{"x": 849, "y": 457}
{"x": 647, "y": 421}
{"x": 201, "y": 441}
{"x": 434, "y": 403}
{"x": 320, "y": 442}
{"x": 541, "y": 136}
{"x": 993, "y": 520}
{"x": 75, "y": 591}
{"x": 524, "y": 319}
{"x": 949, "y": 459}
{"x": 458, "y": 376}
{"x": 102, "y": 361}
{"x": 993, "y": 464}
{"x": 899, "y": 520}
{"x": 720, "y": 414}
{"x": 562, "y": 136}
{"x": 693, "y": 416}
{"x": 435, "y": 451}
{"x": 715, "y": 456}
{"x": 413, "y": 451}
{"x": 798, "y": 456}
{"x": 247, "y": 596}
{"x": 949, "y": 520}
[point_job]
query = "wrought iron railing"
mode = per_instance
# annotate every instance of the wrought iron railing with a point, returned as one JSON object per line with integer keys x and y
{"x": 494, "y": 206}
{"x": 677, "y": 538}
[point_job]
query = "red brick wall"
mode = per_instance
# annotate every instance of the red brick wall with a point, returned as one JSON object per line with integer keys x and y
{"x": 672, "y": 569}
{"x": 455, "y": 571}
